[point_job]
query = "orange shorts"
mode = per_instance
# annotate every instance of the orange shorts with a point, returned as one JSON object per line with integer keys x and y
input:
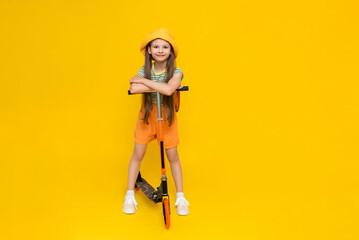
{"x": 144, "y": 133}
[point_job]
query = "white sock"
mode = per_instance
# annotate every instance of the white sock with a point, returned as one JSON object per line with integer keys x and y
{"x": 130, "y": 192}
{"x": 179, "y": 194}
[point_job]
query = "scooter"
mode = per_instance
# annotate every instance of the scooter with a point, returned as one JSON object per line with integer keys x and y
{"x": 161, "y": 194}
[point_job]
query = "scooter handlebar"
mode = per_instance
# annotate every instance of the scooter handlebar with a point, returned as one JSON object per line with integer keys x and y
{"x": 184, "y": 88}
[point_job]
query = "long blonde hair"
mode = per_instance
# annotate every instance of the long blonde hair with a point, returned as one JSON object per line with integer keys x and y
{"x": 168, "y": 101}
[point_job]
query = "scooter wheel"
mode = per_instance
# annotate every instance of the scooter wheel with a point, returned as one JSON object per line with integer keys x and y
{"x": 166, "y": 212}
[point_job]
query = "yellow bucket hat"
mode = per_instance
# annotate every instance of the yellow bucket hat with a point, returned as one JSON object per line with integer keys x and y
{"x": 162, "y": 33}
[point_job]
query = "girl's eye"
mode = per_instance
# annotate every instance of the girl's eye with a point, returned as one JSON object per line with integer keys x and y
{"x": 166, "y": 47}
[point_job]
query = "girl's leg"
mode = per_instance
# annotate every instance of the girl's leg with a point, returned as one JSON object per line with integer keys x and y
{"x": 181, "y": 202}
{"x": 173, "y": 158}
{"x": 134, "y": 167}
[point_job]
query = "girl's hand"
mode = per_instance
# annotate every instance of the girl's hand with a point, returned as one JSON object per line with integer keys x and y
{"x": 180, "y": 87}
{"x": 136, "y": 79}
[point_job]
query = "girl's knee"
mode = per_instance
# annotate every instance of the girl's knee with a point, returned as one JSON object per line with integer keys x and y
{"x": 138, "y": 156}
{"x": 173, "y": 160}
{"x": 139, "y": 152}
{"x": 172, "y": 155}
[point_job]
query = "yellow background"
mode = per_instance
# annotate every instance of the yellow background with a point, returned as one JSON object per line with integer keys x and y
{"x": 269, "y": 129}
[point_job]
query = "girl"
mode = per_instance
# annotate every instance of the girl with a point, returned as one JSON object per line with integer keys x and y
{"x": 161, "y": 76}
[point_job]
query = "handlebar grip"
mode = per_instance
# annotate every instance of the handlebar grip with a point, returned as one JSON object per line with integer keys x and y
{"x": 184, "y": 88}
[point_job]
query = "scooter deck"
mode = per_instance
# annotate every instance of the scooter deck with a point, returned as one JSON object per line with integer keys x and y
{"x": 146, "y": 188}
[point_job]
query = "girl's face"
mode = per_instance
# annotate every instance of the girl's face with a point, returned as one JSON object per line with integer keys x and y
{"x": 160, "y": 50}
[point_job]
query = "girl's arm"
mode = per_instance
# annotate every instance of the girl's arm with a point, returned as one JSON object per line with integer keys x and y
{"x": 164, "y": 88}
{"x": 138, "y": 87}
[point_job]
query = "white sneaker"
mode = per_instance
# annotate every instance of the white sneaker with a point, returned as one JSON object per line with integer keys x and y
{"x": 130, "y": 205}
{"x": 182, "y": 206}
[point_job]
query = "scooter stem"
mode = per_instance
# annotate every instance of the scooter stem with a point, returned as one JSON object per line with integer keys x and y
{"x": 160, "y": 133}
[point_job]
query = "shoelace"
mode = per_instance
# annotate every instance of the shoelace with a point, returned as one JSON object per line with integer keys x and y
{"x": 130, "y": 200}
{"x": 181, "y": 201}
